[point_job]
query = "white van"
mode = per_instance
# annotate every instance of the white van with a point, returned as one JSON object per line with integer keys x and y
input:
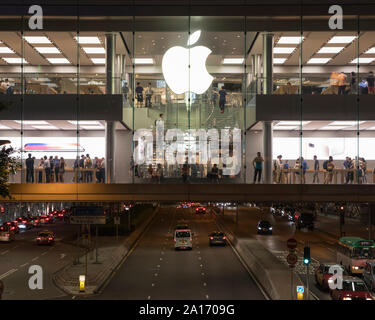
{"x": 183, "y": 239}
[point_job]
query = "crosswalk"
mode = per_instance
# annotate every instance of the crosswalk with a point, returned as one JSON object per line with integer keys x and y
{"x": 299, "y": 267}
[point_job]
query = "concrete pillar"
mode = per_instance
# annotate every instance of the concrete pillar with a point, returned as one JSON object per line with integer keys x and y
{"x": 267, "y": 63}
{"x": 267, "y": 89}
{"x": 110, "y": 89}
{"x": 267, "y": 151}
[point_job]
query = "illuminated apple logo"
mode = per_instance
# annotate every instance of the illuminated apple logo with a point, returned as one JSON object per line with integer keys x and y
{"x": 175, "y": 66}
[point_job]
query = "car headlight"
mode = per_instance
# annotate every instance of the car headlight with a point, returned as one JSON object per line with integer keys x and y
{"x": 346, "y": 298}
{"x": 330, "y": 281}
{"x": 259, "y": 228}
{"x": 355, "y": 267}
{"x": 368, "y": 299}
{"x": 270, "y": 228}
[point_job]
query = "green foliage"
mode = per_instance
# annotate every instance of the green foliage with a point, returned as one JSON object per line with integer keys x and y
{"x": 8, "y": 164}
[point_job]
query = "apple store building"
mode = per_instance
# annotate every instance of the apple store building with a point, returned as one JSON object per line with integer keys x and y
{"x": 140, "y": 98}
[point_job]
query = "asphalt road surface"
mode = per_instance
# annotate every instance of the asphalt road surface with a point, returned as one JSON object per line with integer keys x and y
{"x": 154, "y": 270}
{"x": 17, "y": 257}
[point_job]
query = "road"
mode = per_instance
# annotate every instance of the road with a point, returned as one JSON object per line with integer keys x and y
{"x": 154, "y": 270}
{"x": 16, "y": 258}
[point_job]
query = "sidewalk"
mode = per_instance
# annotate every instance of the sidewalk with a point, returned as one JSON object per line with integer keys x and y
{"x": 110, "y": 255}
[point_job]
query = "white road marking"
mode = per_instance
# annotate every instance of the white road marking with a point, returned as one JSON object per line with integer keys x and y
{"x": 149, "y": 297}
{"x": 62, "y": 255}
{"x": 204, "y": 284}
{"x": 330, "y": 249}
{"x": 199, "y": 258}
{"x": 34, "y": 258}
{"x": 207, "y": 297}
{"x": 155, "y": 274}
{"x": 4, "y": 275}
{"x": 202, "y": 273}
{"x": 158, "y": 265}
{"x": 25, "y": 264}
{"x": 153, "y": 284}
{"x": 161, "y": 259}
{"x": 15, "y": 247}
{"x": 201, "y": 265}
{"x": 4, "y": 252}
{"x": 73, "y": 297}
{"x": 44, "y": 253}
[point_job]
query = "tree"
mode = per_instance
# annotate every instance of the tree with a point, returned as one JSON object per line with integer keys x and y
{"x": 8, "y": 164}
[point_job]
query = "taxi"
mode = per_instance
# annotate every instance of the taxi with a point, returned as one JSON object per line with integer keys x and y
{"x": 322, "y": 274}
{"x": 353, "y": 288}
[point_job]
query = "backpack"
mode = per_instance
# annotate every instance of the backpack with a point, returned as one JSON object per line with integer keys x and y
{"x": 325, "y": 165}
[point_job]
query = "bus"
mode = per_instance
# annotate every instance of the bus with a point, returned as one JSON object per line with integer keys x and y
{"x": 353, "y": 253}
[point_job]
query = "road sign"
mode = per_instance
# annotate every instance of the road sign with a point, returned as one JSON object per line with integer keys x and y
{"x": 299, "y": 295}
{"x": 292, "y": 259}
{"x": 82, "y": 279}
{"x": 300, "y": 289}
{"x": 116, "y": 220}
{"x": 291, "y": 243}
{"x": 87, "y": 220}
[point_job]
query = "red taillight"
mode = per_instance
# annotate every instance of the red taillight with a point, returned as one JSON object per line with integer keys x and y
{"x": 174, "y": 240}
{"x": 12, "y": 228}
{"x": 224, "y": 237}
{"x": 24, "y": 221}
{"x": 39, "y": 238}
{"x": 50, "y": 238}
{"x": 7, "y": 234}
{"x": 36, "y": 220}
{"x": 211, "y": 238}
{"x": 8, "y": 223}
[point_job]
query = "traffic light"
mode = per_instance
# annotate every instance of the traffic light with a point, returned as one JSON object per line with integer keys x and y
{"x": 306, "y": 255}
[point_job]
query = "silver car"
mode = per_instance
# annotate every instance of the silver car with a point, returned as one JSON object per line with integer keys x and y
{"x": 369, "y": 275}
{"x": 6, "y": 235}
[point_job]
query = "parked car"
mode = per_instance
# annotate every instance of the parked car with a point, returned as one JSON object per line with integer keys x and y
{"x": 200, "y": 210}
{"x": 353, "y": 288}
{"x": 12, "y": 226}
{"x": 369, "y": 275}
{"x": 304, "y": 220}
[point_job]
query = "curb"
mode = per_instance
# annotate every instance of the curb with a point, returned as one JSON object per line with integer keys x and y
{"x": 103, "y": 276}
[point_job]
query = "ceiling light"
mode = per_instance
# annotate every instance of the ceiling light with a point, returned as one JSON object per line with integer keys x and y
{"x": 37, "y": 39}
{"x": 363, "y": 60}
{"x": 345, "y": 123}
{"x": 330, "y": 49}
{"x": 47, "y": 49}
{"x": 342, "y": 39}
{"x": 15, "y": 60}
{"x": 143, "y": 61}
{"x": 92, "y": 127}
{"x": 58, "y": 60}
{"x": 98, "y": 60}
{"x": 6, "y": 50}
{"x": 279, "y": 60}
{"x": 333, "y": 127}
{"x": 371, "y": 50}
{"x": 285, "y": 127}
{"x": 290, "y": 40}
{"x": 233, "y": 60}
{"x": 87, "y": 40}
{"x": 318, "y": 60}
{"x": 32, "y": 122}
{"x": 371, "y": 128}
{"x": 84, "y": 122}
{"x": 289, "y": 123}
{"x": 45, "y": 127}
{"x": 2, "y": 127}
{"x": 94, "y": 50}
{"x": 286, "y": 50}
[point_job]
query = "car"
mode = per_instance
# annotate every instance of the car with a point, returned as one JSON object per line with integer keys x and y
{"x": 44, "y": 219}
{"x": 45, "y": 237}
{"x": 217, "y": 238}
{"x": 264, "y": 227}
{"x": 369, "y": 275}
{"x": 353, "y": 288}
{"x": 304, "y": 220}
{"x": 200, "y": 210}
{"x": 23, "y": 223}
{"x": 6, "y": 235}
{"x": 322, "y": 274}
{"x": 183, "y": 239}
{"x": 12, "y": 226}
{"x": 35, "y": 221}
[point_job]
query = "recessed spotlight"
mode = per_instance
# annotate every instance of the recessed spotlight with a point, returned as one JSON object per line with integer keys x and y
{"x": 32, "y": 122}
{"x": 233, "y": 60}
{"x": 143, "y": 61}
{"x": 6, "y": 50}
{"x": 84, "y": 122}
{"x": 98, "y": 60}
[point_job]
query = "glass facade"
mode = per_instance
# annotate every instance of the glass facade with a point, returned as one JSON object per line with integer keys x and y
{"x": 189, "y": 99}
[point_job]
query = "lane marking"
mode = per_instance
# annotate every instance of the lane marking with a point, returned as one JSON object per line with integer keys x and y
{"x": 62, "y": 255}
{"x": 25, "y": 264}
{"x": 149, "y": 297}
{"x": 153, "y": 284}
{"x": 4, "y": 252}
{"x": 207, "y": 297}
{"x": 4, "y": 275}
{"x": 34, "y": 258}
{"x": 202, "y": 273}
{"x": 204, "y": 284}
{"x": 44, "y": 253}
